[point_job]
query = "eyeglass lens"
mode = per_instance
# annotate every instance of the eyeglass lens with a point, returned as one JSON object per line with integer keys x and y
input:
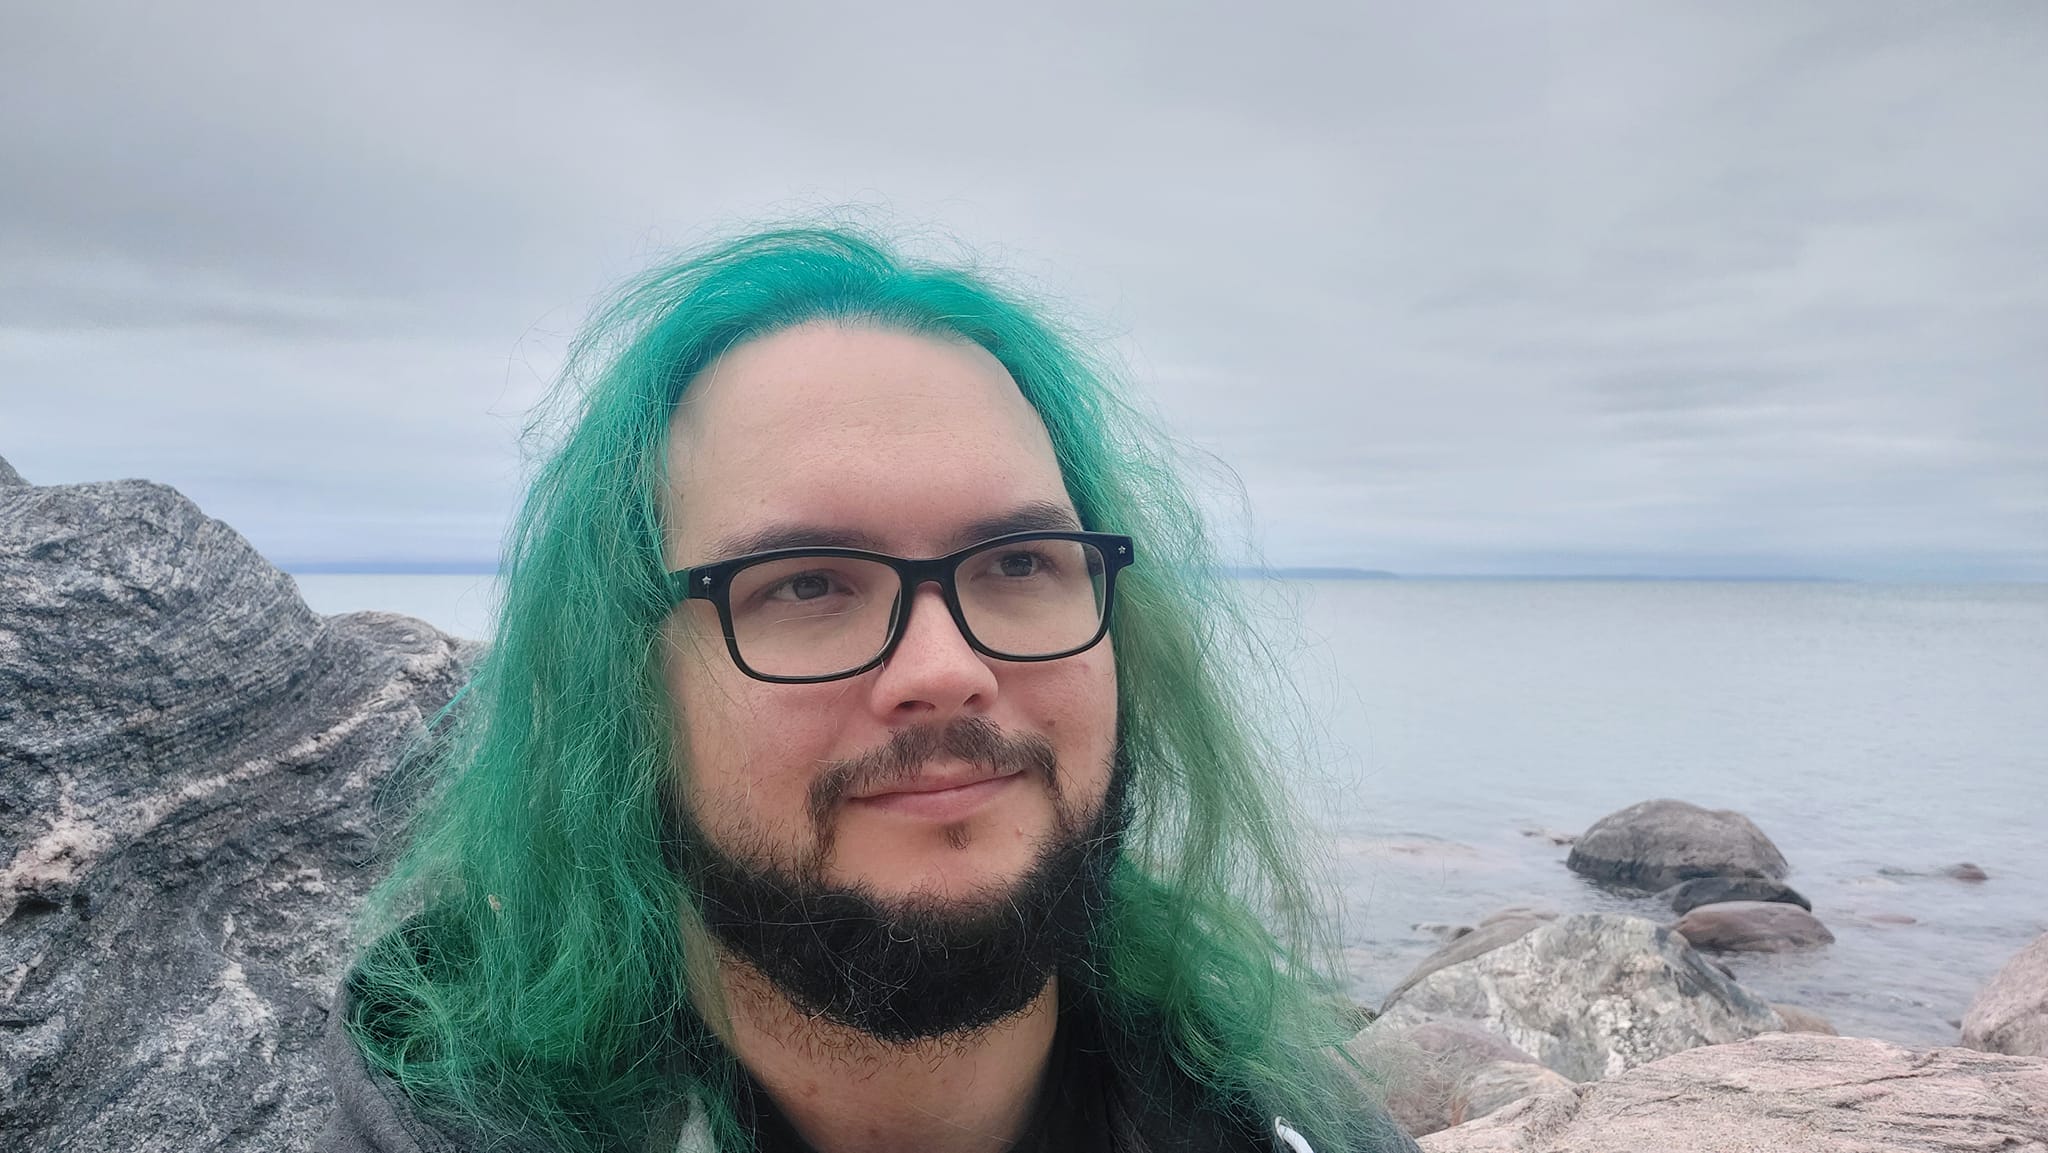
{"x": 812, "y": 616}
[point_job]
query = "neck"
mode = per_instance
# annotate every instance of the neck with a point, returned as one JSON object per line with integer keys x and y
{"x": 846, "y": 1092}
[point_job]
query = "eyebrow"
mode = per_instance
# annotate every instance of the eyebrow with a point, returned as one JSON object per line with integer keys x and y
{"x": 1038, "y": 516}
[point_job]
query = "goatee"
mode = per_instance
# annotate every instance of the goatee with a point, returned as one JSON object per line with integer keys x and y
{"x": 921, "y": 967}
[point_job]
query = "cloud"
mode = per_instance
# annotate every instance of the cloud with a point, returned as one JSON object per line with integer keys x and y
{"x": 1677, "y": 288}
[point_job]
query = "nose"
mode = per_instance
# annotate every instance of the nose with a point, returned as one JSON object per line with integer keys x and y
{"x": 933, "y": 674}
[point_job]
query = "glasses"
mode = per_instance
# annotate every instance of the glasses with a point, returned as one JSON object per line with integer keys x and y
{"x": 802, "y": 615}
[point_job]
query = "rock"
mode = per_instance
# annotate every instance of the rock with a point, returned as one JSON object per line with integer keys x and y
{"x": 1798, "y": 1020}
{"x": 1966, "y": 872}
{"x": 1442, "y": 931}
{"x": 2010, "y": 1015}
{"x": 1785, "y": 1091}
{"x": 1551, "y": 835}
{"x": 1443, "y": 1073}
{"x": 1753, "y": 927}
{"x": 1495, "y": 931}
{"x": 8, "y": 475}
{"x": 1589, "y": 995}
{"x": 1891, "y": 919}
{"x": 1686, "y": 897}
{"x": 188, "y": 758}
{"x": 1654, "y": 845}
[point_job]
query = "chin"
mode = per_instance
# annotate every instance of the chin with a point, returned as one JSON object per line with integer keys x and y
{"x": 962, "y": 864}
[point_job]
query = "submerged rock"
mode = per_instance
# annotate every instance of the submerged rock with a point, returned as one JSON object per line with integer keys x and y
{"x": 2010, "y": 1015}
{"x": 189, "y": 763}
{"x": 1753, "y": 927}
{"x": 1786, "y": 1091}
{"x": 1798, "y": 1020}
{"x": 1654, "y": 845}
{"x": 1589, "y": 996}
{"x": 1691, "y": 895}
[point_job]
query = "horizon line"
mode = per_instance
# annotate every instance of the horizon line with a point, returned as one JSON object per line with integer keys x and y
{"x": 1261, "y": 572}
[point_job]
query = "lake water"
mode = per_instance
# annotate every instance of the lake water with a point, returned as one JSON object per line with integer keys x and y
{"x": 1877, "y": 733}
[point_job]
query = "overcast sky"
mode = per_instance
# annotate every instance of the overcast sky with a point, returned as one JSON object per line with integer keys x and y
{"x": 1462, "y": 288}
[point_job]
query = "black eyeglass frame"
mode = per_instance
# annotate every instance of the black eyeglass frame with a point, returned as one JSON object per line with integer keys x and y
{"x": 713, "y": 582}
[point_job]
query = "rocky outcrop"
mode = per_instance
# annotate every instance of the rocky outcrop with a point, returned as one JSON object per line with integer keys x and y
{"x": 1782, "y": 1092}
{"x": 2010, "y": 1015}
{"x": 1753, "y": 927}
{"x": 1691, "y": 895}
{"x": 7, "y": 474}
{"x": 190, "y": 768}
{"x": 1654, "y": 845}
{"x": 1589, "y": 996}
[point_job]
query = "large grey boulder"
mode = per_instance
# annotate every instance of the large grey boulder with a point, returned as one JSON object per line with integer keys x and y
{"x": 190, "y": 763}
{"x": 1491, "y": 934}
{"x": 8, "y": 475}
{"x": 2010, "y": 1014}
{"x": 1785, "y": 1091}
{"x": 1654, "y": 845}
{"x": 1590, "y": 995}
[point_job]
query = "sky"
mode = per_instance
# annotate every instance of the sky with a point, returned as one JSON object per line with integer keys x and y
{"x": 1718, "y": 289}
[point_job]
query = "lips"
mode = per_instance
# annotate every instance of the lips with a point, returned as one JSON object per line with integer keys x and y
{"x": 935, "y": 783}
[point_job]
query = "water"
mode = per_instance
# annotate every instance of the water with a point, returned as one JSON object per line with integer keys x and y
{"x": 1877, "y": 733}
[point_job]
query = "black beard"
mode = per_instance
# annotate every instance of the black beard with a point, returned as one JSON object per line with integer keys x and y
{"x": 917, "y": 968}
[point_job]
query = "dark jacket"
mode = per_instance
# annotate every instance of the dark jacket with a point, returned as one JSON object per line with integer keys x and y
{"x": 372, "y": 1115}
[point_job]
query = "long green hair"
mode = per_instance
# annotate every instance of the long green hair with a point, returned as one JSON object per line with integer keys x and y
{"x": 523, "y": 968}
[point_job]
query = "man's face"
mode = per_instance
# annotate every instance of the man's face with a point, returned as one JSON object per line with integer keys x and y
{"x": 904, "y": 445}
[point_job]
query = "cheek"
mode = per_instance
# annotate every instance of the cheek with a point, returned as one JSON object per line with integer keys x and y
{"x": 1080, "y": 718}
{"x": 736, "y": 741}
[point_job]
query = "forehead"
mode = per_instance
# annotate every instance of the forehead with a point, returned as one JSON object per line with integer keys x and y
{"x": 899, "y": 438}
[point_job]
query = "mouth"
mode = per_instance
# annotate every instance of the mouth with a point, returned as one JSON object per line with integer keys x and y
{"x": 939, "y": 796}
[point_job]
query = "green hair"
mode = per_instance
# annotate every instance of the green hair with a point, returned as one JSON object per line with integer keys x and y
{"x": 523, "y": 966}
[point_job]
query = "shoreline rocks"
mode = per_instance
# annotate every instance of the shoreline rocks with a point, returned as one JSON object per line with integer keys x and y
{"x": 191, "y": 764}
{"x": 1790, "y": 1091}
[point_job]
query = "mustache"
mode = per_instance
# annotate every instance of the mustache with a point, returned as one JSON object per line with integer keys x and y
{"x": 975, "y": 740}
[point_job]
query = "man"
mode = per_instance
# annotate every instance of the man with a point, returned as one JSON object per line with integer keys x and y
{"x": 862, "y": 763}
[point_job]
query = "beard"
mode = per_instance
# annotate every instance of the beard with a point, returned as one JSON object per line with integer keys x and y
{"x": 921, "y": 967}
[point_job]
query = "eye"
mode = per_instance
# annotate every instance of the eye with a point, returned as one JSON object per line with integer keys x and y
{"x": 1020, "y": 564}
{"x": 802, "y": 587}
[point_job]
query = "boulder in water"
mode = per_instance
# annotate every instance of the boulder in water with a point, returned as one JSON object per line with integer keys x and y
{"x": 1654, "y": 845}
{"x": 1684, "y": 898}
{"x": 1753, "y": 927}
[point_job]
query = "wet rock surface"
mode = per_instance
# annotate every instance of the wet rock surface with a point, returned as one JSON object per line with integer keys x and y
{"x": 1784, "y": 1091}
{"x": 1589, "y": 995}
{"x": 1753, "y": 927}
{"x": 1653, "y": 845}
{"x": 2010, "y": 1015}
{"x": 1691, "y": 895}
{"x": 190, "y": 772}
